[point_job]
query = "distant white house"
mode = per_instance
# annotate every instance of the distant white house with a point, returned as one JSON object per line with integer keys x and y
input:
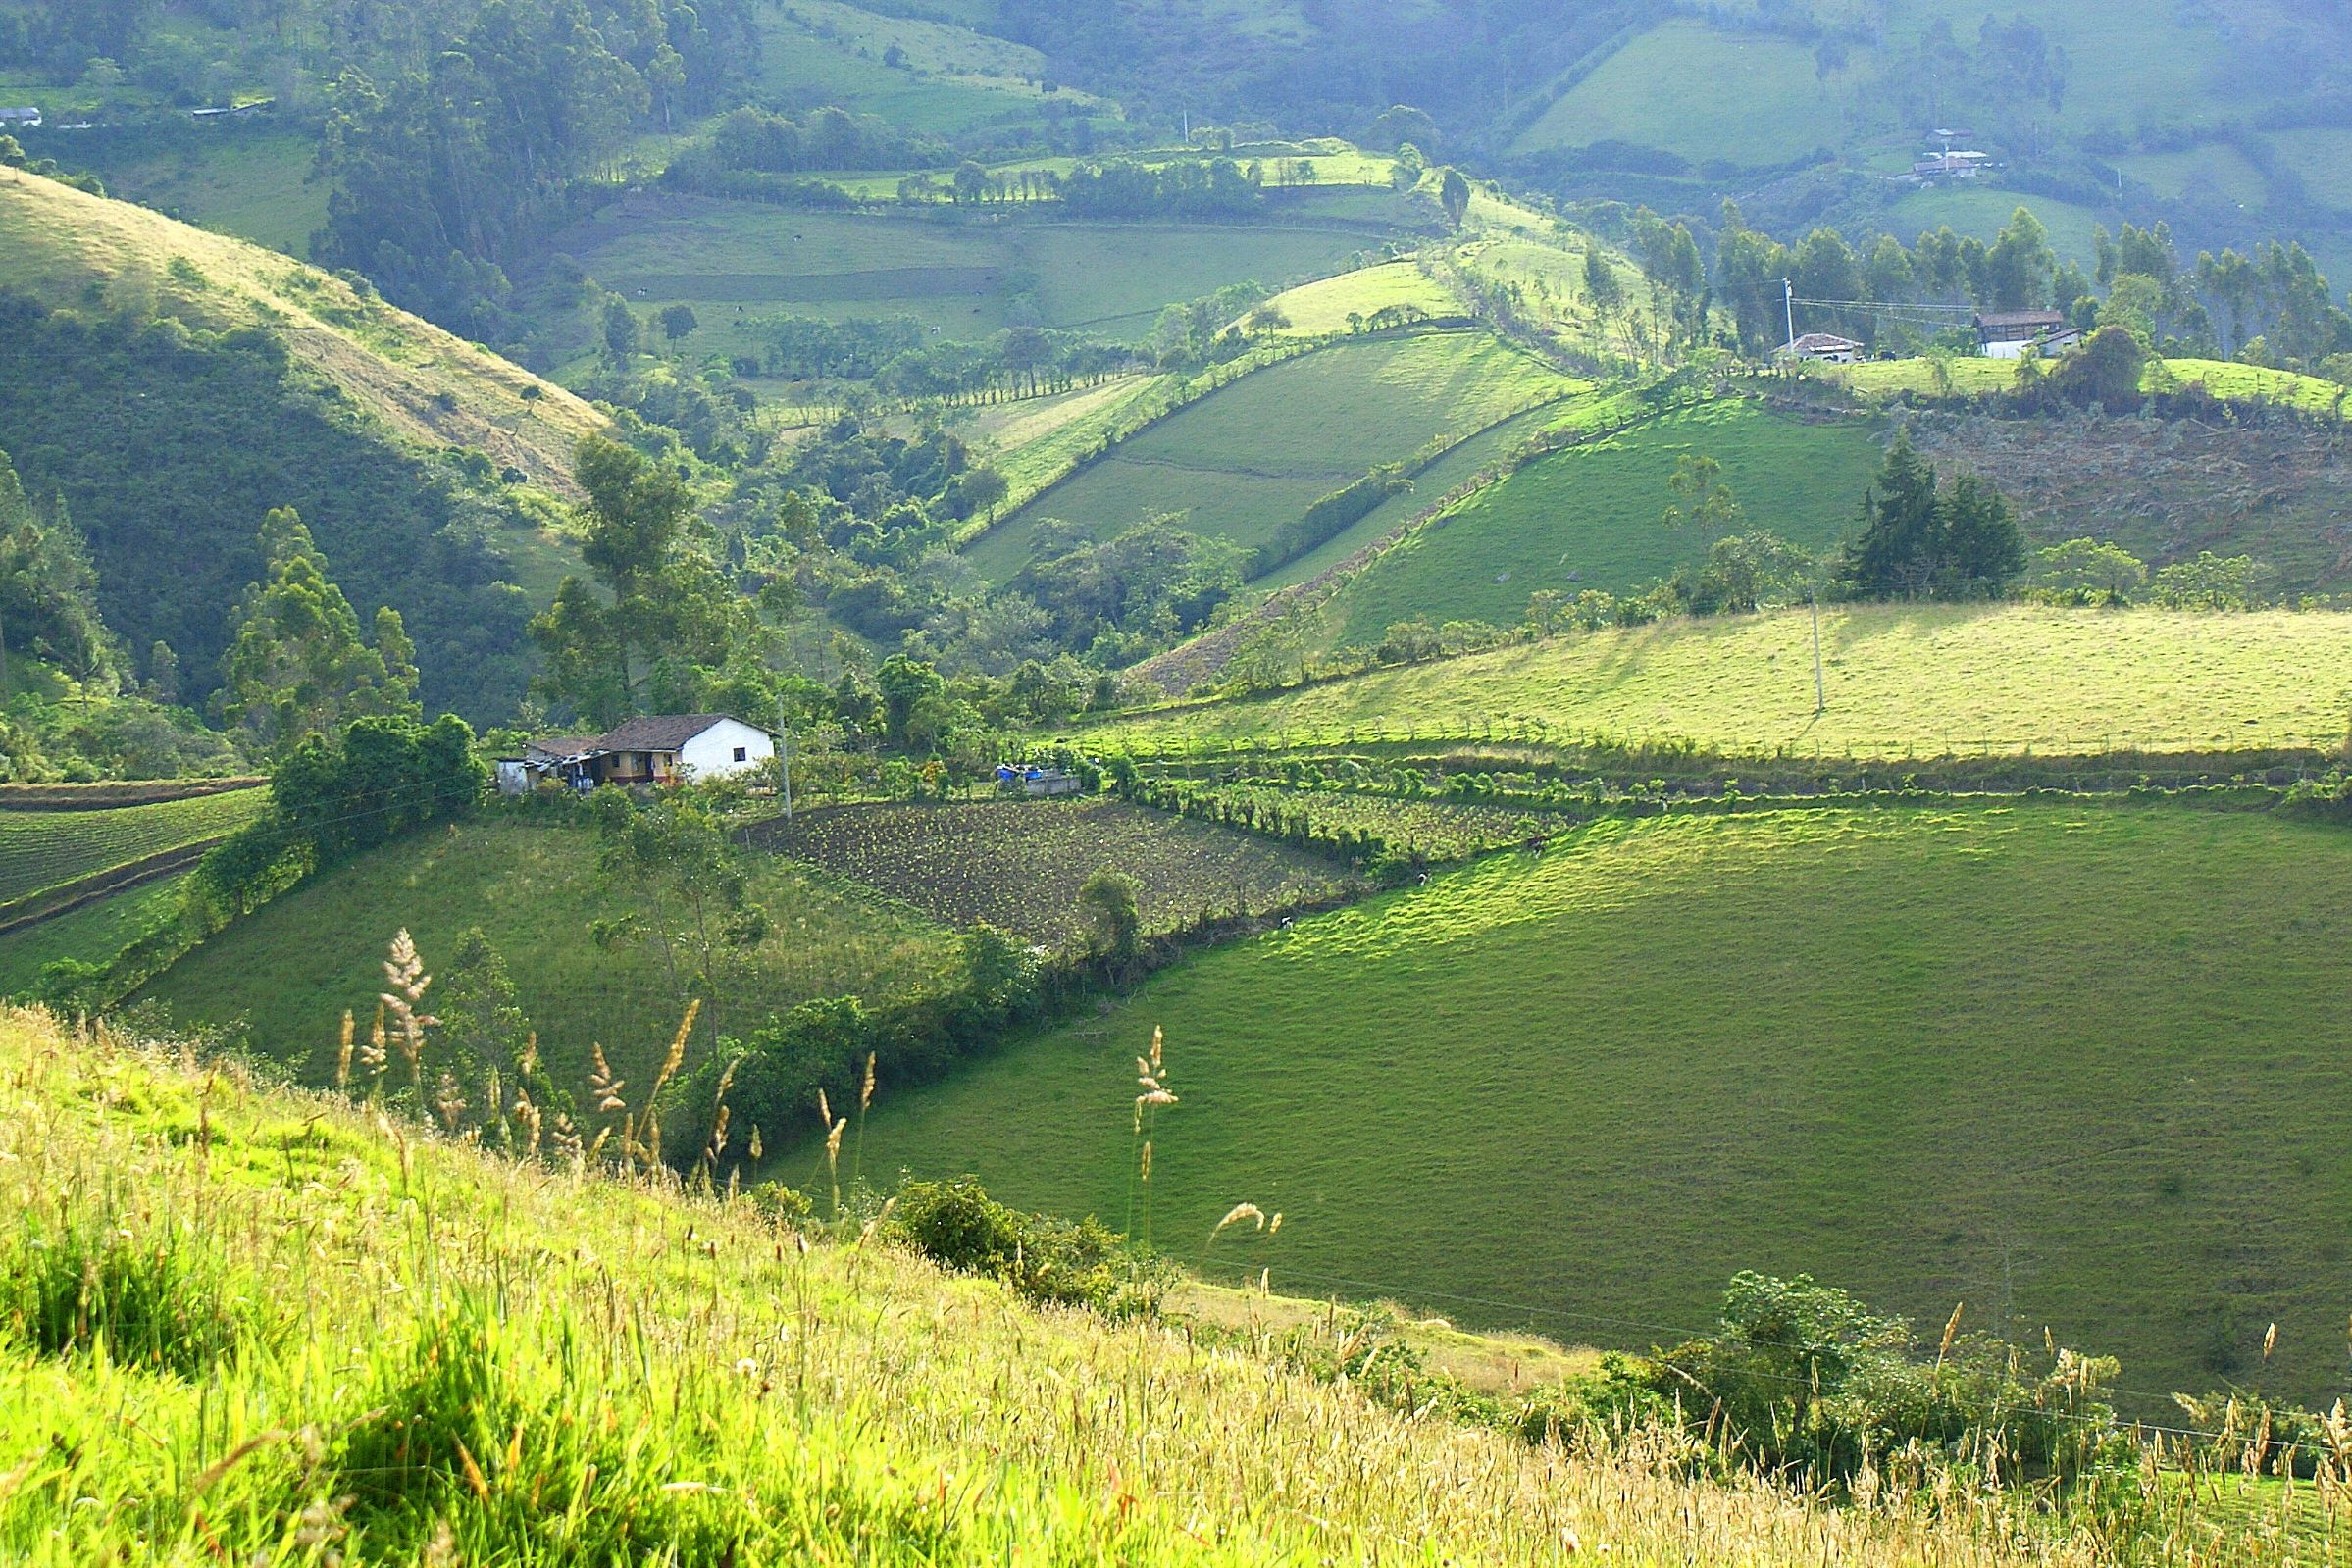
{"x": 662, "y": 749}
{"x": 27, "y": 118}
{"x": 1826, "y": 348}
{"x": 1951, "y": 165}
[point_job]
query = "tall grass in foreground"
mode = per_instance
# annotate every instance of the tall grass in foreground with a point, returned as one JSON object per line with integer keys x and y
{"x": 402, "y": 1349}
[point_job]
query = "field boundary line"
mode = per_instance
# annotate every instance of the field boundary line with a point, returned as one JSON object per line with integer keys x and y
{"x": 50, "y": 902}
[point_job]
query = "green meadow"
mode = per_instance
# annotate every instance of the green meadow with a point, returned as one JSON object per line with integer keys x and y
{"x": 1665, "y": 89}
{"x": 535, "y": 891}
{"x": 1590, "y": 516}
{"x": 1903, "y": 681}
{"x": 249, "y": 182}
{"x": 2063, "y": 1063}
{"x": 1238, "y": 464}
{"x": 734, "y": 262}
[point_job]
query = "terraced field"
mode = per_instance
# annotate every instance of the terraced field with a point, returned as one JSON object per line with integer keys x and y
{"x": 734, "y": 262}
{"x": 1240, "y": 464}
{"x": 1018, "y": 865}
{"x": 1899, "y": 1048}
{"x": 1903, "y": 681}
{"x": 44, "y": 850}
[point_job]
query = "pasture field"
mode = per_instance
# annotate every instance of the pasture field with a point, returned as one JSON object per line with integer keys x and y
{"x": 40, "y": 851}
{"x": 1244, "y": 461}
{"x": 734, "y": 262}
{"x": 1018, "y": 864}
{"x": 1590, "y": 516}
{"x": 535, "y": 891}
{"x": 1665, "y": 89}
{"x": 631, "y": 1332}
{"x": 820, "y": 52}
{"x": 1322, "y": 308}
{"x": 2321, "y": 157}
{"x": 1981, "y": 212}
{"x": 1899, "y": 1048}
{"x": 232, "y": 179}
{"x": 92, "y": 933}
{"x": 1904, "y": 680}
{"x": 2217, "y": 171}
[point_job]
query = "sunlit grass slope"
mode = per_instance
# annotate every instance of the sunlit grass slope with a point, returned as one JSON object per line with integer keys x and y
{"x": 381, "y": 1341}
{"x": 2057, "y": 1061}
{"x": 1244, "y": 461}
{"x": 69, "y": 250}
{"x": 280, "y": 980}
{"x": 1902, "y": 679}
{"x": 1592, "y": 517}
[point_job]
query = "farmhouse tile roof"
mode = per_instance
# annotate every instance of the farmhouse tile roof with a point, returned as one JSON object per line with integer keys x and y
{"x": 659, "y": 732}
{"x": 1994, "y": 321}
{"x": 1823, "y": 343}
{"x": 564, "y": 746}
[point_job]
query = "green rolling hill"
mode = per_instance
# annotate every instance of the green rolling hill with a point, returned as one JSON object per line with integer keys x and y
{"x": 2011, "y": 1055}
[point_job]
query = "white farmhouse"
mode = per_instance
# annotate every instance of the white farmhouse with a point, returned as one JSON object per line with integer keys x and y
{"x": 664, "y": 749}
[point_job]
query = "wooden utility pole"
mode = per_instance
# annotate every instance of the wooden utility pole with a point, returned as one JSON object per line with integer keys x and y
{"x": 1821, "y": 689}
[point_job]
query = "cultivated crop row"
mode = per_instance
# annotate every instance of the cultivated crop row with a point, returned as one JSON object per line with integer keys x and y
{"x": 44, "y": 850}
{"x": 1018, "y": 865}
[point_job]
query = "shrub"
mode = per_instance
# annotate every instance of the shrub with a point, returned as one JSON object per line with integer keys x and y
{"x": 1044, "y": 1259}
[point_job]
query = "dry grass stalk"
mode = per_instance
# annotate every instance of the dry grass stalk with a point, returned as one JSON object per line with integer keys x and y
{"x": 343, "y": 1053}
{"x": 1238, "y": 1214}
{"x": 866, "y": 1092}
{"x": 528, "y": 1114}
{"x": 375, "y": 1055}
{"x": 677, "y": 1058}
{"x": 603, "y": 1087}
{"x": 448, "y": 1101}
{"x": 404, "y": 972}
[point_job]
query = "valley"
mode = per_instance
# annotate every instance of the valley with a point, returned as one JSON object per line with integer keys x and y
{"x": 822, "y": 781}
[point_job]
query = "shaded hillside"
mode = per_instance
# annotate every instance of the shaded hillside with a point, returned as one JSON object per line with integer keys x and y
{"x": 175, "y": 386}
{"x": 66, "y": 248}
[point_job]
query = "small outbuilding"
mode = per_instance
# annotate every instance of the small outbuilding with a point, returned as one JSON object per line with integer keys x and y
{"x": 1825, "y": 348}
{"x": 2008, "y": 334}
{"x": 26, "y": 116}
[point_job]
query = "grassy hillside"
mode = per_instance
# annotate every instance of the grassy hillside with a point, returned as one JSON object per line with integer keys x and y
{"x": 66, "y": 248}
{"x": 1246, "y": 460}
{"x": 1899, "y": 1048}
{"x": 1903, "y": 681}
{"x": 535, "y": 891}
{"x": 205, "y": 382}
{"x": 1589, "y": 516}
{"x": 1664, "y": 90}
{"x": 398, "y": 1338}
{"x": 1019, "y": 864}
{"x": 43, "y": 850}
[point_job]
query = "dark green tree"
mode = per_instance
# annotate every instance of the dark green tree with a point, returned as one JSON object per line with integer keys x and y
{"x": 1454, "y": 195}
{"x": 1982, "y": 551}
{"x": 1114, "y": 926}
{"x": 658, "y": 595}
{"x": 1898, "y": 551}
